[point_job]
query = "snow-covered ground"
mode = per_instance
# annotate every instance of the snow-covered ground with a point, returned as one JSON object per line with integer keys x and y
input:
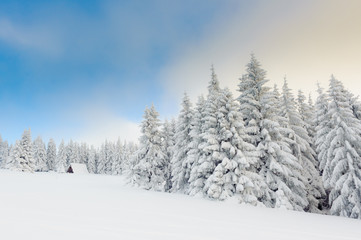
{"x": 65, "y": 206}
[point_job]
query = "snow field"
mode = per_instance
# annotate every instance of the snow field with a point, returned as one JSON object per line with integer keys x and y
{"x": 66, "y": 206}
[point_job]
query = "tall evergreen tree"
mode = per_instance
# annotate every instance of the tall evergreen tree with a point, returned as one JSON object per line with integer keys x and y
{"x": 250, "y": 87}
{"x": 104, "y": 164}
{"x": 342, "y": 171}
{"x": 279, "y": 168}
{"x": 209, "y": 145}
{"x": 21, "y": 158}
{"x": 301, "y": 147}
{"x": 307, "y": 115}
{"x": 150, "y": 168}
{"x": 4, "y": 152}
{"x": 13, "y": 161}
{"x": 39, "y": 155}
{"x": 83, "y": 153}
{"x": 117, "y": 158}
{"x": 277, "y": 165}
{"x": 236, "y": 172}
{"x": 61, "y": 158}
{"x": 322, "y": 128}
{"x": 195, "y": 134}
{"x": 169, "y": 130}
{"x": 51, "y": 154}
{"x": 180, "y": 169}
{"x": 72, "y": 155}
{"x": 92, "y": 160}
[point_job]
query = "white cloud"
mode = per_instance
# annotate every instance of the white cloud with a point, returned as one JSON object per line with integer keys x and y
{"x": 39, "y": 38}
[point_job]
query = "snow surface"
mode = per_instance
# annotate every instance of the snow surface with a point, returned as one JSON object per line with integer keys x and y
{"x": 67, "y": 206}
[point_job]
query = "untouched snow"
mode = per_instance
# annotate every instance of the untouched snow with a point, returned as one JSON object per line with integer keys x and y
{"x": 67, "y": 206}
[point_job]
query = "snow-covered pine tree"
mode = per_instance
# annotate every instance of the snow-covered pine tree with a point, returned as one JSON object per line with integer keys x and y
{"x": 301, "y": 148}
{"x": 307, "y": 115}
{"x": 180, "y": 169}
{"x": 21, "y": 158}
{"x": 71, "y": 153}
{"x": 92, "y": 160}
{"x": 168, "y": 132}
{"x": 51, "y": 154}
{"x": 13, "y": 161}
{"x": 109, "y": 160}
{"x": 277, "y": 164}
{"x": 4, "y": 152}
{"x": 39, "y": 155}
{"x": 250, "y": 87}
{"x": 312, "y": 131}
{"x": 126, "y": 157}
{"x": 209, "y": 145}
{"x": 130, "y": 159}
{"x": 150, "y": 169}
{"x": 323, "y": 127}
{"x": 101, "y": 167}
{"x": 279, "y": 168}
{"x": 83, "y": 152}
{"x": 236, "y": 173}
{"x": 61, "y": 158}
{"x": 342, "y": 172}
{"x": 195, "y": 133}
{"x": 76, "y": 151}
{"x": 117, "y": 158}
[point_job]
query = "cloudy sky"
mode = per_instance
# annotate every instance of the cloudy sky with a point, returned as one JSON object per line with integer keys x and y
{"x": 85, "y": 70}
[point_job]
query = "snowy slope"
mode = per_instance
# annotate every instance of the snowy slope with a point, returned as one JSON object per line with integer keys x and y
{"x": 66, "y": 206}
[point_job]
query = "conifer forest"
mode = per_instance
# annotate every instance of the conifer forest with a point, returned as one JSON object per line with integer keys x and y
{"x": 266, "y": 146}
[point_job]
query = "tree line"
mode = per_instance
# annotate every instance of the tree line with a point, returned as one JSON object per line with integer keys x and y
{"x": 266, "y": 148}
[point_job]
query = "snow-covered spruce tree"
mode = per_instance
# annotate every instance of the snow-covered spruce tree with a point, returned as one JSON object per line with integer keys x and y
{"x": 126, "y": 157}
{"x": 130, "y": 159}
{"x": 21, "y": 158}
{"x": 279, "y": 168}
{"x": 195, "y": 133}
{"x": 103, "y": 163}
{"x": 209, "y": 146}
{"x": 180, "y": 169}
{"x": 168, "y": 133}
{"x": 250, "y": 87}
{"x": 4, "y": 152}
{"x": 342, "y": 172}
{"x": 13, "y": 161}
{"x": 39, "y": 155}
{"x": 301, "y": 148}
{"x": 276, "y": 164}
{"x": 307, "y": 114}
{"x": 51, "y": 154}
{"x": 117, "y": 158}
{"x": 92, "y": 160}
{"x": 71, "y": 153}
{"x": 150, "y": 169}
{"x": 323, "y": 127}
{"x": 83, "y": 153}
{"x": 60, "y": 163}
{"x": 109, "y": 160}
{"x": 236, "y": 173}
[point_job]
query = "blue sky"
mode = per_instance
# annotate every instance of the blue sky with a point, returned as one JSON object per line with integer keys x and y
{"x": 87, "y": 69}
{"x": 60, "y": 59}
